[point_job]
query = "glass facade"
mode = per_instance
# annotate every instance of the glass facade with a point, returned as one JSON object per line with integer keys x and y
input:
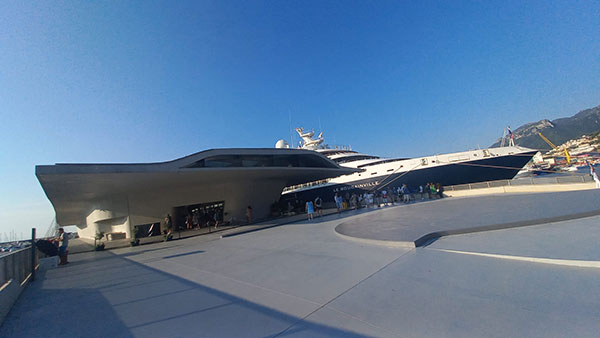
{"x": 253, "y": 161}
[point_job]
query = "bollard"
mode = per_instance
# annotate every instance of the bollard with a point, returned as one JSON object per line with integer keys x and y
{"x": 32, "y": 254}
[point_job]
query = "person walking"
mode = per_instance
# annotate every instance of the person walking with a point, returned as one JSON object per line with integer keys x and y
{"x": 440, "y": 190}
{"x": 594, "y": 175}
{"x": 310, "y": 210}
{"x": 354, "y": 201}
{"x": 249, "y": 214}
{"x": 216, "y": 218}
{"x": 63, "y": 244}
{"x": 405, "y": 193}
{"x": 384, "y": 197}
{"x": 338, "y": 202}
{"x": 188, "y": 222}
{"x": 433, "y": 190}
{"x": 319, "y": 206}
{"x": 169, "y": 227}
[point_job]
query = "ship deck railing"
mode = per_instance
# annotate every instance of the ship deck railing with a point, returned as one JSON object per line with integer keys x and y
{"x": 306, "y": 185}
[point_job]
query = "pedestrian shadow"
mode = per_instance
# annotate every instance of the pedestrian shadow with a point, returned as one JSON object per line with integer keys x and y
{"x": 184, "y": 254}
{"x": 107, "y": 298}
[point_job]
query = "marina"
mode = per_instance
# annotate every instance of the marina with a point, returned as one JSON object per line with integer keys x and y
{"x": 248, "y": 272}
{"x": 300, "y": 169}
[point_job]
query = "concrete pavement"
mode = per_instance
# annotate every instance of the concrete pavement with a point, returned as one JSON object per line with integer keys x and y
{"x": 304, "y": 280}
{"x": 410, "y": 224}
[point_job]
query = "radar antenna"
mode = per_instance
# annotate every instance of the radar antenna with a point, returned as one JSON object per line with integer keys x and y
{"x": 307, "y": 141}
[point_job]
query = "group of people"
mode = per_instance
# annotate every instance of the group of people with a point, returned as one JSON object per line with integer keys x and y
{"x": 197, "y": 219}
{"x": 313, "y": 207}
{"x": 432, "y": 190}
{"x": 396, "y": 194}
{"x": 204, "y": 218}
{"x": 376, "y": 198}
{"x": 429, "y": 190}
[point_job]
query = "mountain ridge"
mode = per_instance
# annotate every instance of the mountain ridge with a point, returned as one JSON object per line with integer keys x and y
{"x": 558, "y": 131}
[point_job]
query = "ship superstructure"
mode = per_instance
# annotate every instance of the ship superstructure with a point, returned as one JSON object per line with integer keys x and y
{"x": 379, "y": 173}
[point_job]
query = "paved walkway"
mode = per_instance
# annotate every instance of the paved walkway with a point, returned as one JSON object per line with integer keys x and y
{"x": 411, "y": 224}
{"x": 305, "y": 280}
{"x": 79, "y": 245}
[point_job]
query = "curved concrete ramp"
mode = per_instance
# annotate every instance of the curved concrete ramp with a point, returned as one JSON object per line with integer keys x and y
{"x": 420, "y": 223}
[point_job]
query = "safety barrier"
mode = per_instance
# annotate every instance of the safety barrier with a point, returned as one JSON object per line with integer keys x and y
{"x": 16, "y": 268}
{"x": 523, "y": 181}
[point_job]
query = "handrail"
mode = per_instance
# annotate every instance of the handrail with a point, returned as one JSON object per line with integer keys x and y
{"x": 15, "y": 265}
{"x": 522, "y": 181}
{"x": 305, "y": 185}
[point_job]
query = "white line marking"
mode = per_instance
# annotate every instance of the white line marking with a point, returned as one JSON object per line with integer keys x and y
{"x": 564, "y": 262}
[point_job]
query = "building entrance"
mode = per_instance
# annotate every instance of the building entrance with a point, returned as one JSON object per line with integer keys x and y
{"x": 146, "y": 230}
{"x": 199, "y": 215}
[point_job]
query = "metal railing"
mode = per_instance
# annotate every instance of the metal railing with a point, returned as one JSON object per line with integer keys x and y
{"x": 523, "y": 181}
{"x": 305, "y": 185}
{"x": 16, "y": 265}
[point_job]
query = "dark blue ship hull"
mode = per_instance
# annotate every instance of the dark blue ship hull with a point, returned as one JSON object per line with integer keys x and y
{"x": 489, "y": 169}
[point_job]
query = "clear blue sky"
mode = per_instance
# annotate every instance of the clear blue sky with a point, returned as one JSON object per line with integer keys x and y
{"x": 125, "y": 81}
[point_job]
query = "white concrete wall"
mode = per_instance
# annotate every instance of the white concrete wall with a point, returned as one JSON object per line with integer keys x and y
{"x": 118, "y": 224}
{"x": 109, "y": 214}
{"x": 120, "y": 214}
{"x": 522, "y": 189}
{"x": 9, "y": 293}
{"x": 107, "y": 220}
{"x": 87, "y": 230}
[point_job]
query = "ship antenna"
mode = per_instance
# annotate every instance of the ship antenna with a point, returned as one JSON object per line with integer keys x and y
{"x": 320, "y": 129}
{"x": 291, "y": 134}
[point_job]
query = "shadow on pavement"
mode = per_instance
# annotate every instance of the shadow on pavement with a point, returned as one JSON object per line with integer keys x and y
{"x": 110, "y": 296}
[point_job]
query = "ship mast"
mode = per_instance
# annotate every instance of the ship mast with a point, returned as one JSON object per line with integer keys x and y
{"x": 308, "y": 141}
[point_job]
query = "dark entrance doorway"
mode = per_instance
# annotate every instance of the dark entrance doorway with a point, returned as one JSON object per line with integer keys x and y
{"x": 199, "y": 215}
{"x": 146, "y": 230}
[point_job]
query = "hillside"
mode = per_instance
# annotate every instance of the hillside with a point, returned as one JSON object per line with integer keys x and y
{"x": 558, "y": 131}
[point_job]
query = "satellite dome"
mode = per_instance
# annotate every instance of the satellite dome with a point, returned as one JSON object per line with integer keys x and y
{"x": 281, "y": 144}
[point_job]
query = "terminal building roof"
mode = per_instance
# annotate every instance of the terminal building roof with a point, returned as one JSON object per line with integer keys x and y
{"x": 74, "y": 188}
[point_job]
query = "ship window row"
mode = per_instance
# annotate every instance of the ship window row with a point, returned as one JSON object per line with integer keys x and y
{"x": 381, "y": 162}
{"x": 354, "y": 158}
{"x": 337, "y": 152}
{"x": 250, "y": 161}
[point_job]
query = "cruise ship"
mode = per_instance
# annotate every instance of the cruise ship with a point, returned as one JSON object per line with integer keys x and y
{"x": 377, "y": 173}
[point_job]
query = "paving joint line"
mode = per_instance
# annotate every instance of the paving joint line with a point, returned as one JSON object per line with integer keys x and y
{"x": 343, "y": 293}
{"x": 243, "y": 283}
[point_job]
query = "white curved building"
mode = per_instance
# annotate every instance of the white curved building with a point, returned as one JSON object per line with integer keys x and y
{"x": 113, "y": 198}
